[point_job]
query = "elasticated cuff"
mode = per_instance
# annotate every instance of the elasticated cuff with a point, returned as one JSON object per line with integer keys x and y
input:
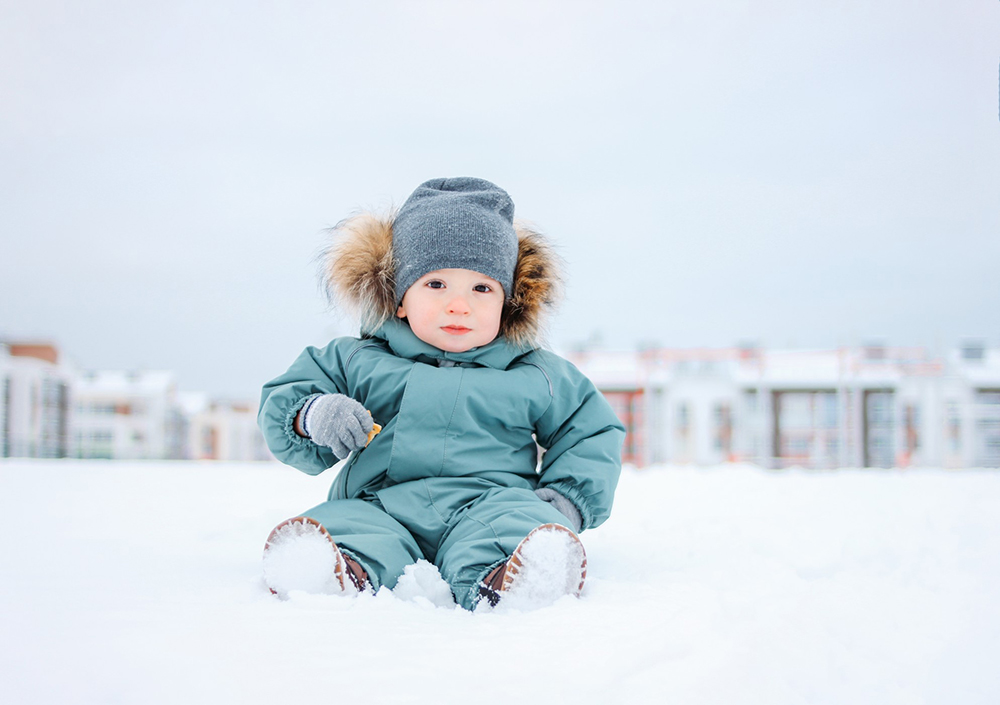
{"x": 289, "y": 425}
{"x": 570, "y": 492}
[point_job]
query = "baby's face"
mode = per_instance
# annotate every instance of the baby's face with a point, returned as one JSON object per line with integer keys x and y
{"x": 453, "y": 309}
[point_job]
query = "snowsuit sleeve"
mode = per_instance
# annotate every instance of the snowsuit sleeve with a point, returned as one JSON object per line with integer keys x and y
{"x": 316, "y": 371}
{"x": 583, "y": 440}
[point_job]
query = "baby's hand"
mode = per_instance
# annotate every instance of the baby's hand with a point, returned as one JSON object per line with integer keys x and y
{"x": 338, "y": 422}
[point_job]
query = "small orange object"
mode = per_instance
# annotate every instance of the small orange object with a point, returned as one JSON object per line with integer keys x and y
{"x": 374, "y": 432}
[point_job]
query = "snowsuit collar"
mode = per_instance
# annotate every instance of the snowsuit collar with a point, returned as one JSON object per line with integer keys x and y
{"x": 397, "y": 334}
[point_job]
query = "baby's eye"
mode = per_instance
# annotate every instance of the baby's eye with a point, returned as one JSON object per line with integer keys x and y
{"x": 435, "y": 284}
{"x": 482, "y": 288}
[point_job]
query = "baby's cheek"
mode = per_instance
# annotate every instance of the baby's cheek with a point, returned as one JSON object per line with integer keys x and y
{"x": 420, "y": 328}
{"x": 498, "y": 319}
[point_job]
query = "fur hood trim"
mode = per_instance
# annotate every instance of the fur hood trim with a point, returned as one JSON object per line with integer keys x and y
{"x": 357, "y": 273}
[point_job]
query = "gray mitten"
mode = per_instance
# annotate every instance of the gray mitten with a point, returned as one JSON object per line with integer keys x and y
{"x": 567, "y": 508}
{"x": 338, "y": 422}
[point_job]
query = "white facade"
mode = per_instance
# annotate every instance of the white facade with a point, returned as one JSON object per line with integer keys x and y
{"x": 224, "y": 430}
{"x": 50, "y": 409}
{"x": 126, "y": 416}
{"x": 863, "y": 407}
{"x": 35, "y": 395}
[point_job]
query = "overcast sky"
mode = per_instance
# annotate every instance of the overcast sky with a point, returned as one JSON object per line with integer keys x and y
{"x": 806, "y": 174}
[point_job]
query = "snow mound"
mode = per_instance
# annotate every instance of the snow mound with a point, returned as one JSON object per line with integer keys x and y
{"x": 422, "y": 583}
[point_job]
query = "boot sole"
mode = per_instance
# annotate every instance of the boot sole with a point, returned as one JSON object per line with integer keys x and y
{"x": 531, "y": 557}
{"x": 300, "y": 529}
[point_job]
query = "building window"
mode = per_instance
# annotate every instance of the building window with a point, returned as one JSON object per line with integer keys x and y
{"x": 628, "y": 406}
{"x": 209, "y": 443}
{"x": 722, "y": 418}
{"x": 987, "y": 412}
{"x": 953, "y": 431}
{"x": 807, "y": 427}
{"x": 879, "y": 426}
{"x": 683, "y": 417}
{"x": 5, "y": 430}
{"x": 974, "y": 351}
{"x": 95, "y": 408}
{"x": 911, "y": 427}
{"x": 829, "y": 411}
{"x": 879, "y": 408}
{"x": 684, "y": 440}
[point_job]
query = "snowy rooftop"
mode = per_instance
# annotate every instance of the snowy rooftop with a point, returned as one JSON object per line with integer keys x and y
{"x": 192, "y": 403}
{"x": 824, "y": 368}
{"x": 123, "y": 382}
{"x": 819, "y": 368}
{"x": 980, "y": 372}
{"x": 614, "y": 369}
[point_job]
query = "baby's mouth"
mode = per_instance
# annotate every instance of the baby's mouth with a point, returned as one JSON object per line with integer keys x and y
{"x": 455, "y": 330}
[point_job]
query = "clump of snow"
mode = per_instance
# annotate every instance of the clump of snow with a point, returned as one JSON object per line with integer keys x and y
{"x": 422, "y": 583}
{"x": 300, "y": 557}
{"x": 552, "y": 565}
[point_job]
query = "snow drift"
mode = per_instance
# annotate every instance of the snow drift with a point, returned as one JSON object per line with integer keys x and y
{"x": 141, "y": 583}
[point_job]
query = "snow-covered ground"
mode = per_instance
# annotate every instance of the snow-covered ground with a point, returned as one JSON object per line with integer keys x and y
{"x": 140, "y": 583}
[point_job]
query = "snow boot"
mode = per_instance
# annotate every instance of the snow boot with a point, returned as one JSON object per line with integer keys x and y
{"x": 549, "y": 563}
{"x": 301, "y": 555}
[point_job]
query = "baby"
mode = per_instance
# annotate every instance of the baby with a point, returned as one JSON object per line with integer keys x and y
{"x": 451, "y": 294}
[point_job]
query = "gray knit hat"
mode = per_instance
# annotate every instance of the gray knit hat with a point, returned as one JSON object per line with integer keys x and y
{"x": 462, "y": 223}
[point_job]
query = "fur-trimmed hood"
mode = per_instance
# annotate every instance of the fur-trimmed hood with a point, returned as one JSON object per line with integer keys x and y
{"x": 358, "y": 267}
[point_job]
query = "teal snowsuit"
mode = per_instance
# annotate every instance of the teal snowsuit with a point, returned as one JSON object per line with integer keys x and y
{"x": 451, "y": 477}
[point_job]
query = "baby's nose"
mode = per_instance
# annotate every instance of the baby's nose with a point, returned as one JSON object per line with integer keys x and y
{"x": 458, "y": 305}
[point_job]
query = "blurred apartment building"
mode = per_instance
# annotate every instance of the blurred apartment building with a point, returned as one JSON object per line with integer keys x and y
{"x": 49, "y": 409}
{"x": 223, "y": 429}
{"x": 35, "y": 388}
{"x": 126, "y": 416}
{"x": 870, "y": 406}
